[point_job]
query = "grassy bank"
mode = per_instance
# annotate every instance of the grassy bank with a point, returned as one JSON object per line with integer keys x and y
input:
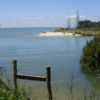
{"x": 6, "y": 94}
{"x": 69, "y": 92}
{"x": 11, "y": 95}
{"x": 82, "y": 32}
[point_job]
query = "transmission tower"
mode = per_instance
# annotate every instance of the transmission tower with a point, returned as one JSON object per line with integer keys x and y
{"x": 77, "y": 19}
{"x": 68, "y": 23}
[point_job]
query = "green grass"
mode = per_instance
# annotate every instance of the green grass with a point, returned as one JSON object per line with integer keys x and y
{"x": 82, "y": 32}
{"x": 11, "y": 95}
{"x": 70, "y": 92}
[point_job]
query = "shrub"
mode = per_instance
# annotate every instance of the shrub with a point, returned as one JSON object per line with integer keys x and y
{"x": 11, "y": 95}
{"x": 90, "y": 60}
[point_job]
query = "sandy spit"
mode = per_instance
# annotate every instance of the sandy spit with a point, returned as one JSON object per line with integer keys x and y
{"x": 52, "y": 34}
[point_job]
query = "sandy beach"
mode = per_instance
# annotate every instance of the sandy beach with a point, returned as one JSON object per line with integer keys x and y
{"x": 54, "y": 34}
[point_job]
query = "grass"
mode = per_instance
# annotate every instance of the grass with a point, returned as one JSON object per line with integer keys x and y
{"x": 6, "y": 90}
{"x": 82, "y": 32}
{"x": 67, "y": 92}
{"x": 11, "y": 95}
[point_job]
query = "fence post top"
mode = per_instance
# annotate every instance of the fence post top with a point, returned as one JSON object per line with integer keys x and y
{"x": 14, "y": 60}
{"x": 48, "y": 66}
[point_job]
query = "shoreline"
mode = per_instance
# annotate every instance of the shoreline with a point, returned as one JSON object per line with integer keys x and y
{"x": 55, "y": 34}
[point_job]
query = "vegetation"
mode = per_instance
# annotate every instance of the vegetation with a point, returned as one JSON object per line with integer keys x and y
{"x": 88, "y": 28}
{"x": 90, "y": 61}
{"x": 82, "y": 32}
{"x": 6, "y": 90}
{"x": 85, "y": 94}
{"x": 11, "y": 95}
{"x": 87, "y": 24}
{"x": 84, "y": 28}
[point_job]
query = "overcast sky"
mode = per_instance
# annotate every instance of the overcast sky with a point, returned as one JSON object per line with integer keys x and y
{"x": 46, "y": 13}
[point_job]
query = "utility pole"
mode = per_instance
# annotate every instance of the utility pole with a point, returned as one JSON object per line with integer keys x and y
{"x": 0, "y": 25}
{"x": 77, "y": 19}
{"x": 68, "y": 23}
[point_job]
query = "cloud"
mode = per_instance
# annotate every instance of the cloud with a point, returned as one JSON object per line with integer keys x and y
{"x": 48, "y": 21}
{"x": 43, "y": 21}
{"x": 92, "y": 18}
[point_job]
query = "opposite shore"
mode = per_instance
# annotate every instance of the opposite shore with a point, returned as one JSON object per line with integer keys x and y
{"x": 55, "y": 34}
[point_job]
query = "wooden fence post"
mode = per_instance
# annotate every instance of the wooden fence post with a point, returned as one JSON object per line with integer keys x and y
{"x": 15, "y": 73}
{"x": 49, "y": 83}
{"x": 46, "y": 79}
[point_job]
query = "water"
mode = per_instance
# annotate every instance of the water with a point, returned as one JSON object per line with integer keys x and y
{"x": 35, "y": 53}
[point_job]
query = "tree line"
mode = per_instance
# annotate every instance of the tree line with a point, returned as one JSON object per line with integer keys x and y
{"x": 88, "y": 24}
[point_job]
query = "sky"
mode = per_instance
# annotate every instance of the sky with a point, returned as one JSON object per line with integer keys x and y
{"x": 46, "y": 13}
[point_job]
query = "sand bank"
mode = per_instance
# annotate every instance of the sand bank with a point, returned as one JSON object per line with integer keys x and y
{"x": 52, "y": 34}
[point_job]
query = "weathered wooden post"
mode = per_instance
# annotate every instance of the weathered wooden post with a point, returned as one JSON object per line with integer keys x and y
{"x": 44, "y": 79}
{"x": 49, "y": 83}
{"x": 15, "y": 73}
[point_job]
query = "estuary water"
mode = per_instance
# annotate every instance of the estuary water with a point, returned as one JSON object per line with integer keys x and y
{"x": 34, "y": 54}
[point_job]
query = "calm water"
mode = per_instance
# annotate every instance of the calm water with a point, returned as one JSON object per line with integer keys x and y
{"x": 35, "y": 53}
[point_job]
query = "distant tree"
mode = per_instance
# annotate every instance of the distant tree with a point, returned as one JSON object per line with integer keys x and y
{"x": 88, "y": 24}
